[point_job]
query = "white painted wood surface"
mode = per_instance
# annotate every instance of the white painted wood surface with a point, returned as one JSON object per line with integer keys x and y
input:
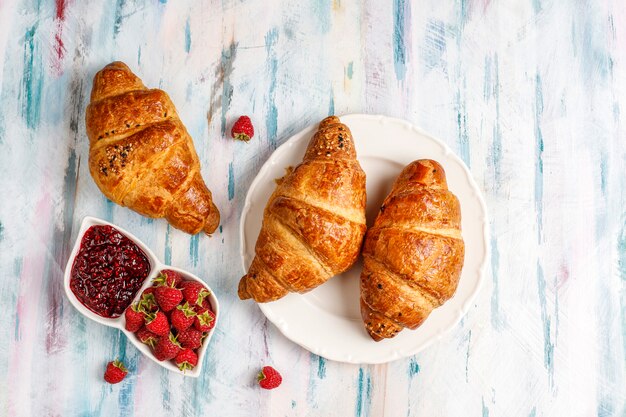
{"x": 529, "y": 93}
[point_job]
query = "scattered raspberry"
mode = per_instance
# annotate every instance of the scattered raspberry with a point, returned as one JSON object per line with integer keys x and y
{"x": 243, "y": 129}
{"x": 269, "y": 378}
{"x": 115, "y": 372}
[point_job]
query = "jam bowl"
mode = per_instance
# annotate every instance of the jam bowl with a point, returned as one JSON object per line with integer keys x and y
{"x": 124, "y": 267}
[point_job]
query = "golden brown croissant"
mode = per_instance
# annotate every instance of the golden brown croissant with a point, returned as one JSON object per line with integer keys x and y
{"x": 413, "y": 255}
{"x": 141, "y": 155}
{"x": 314, "y": 222}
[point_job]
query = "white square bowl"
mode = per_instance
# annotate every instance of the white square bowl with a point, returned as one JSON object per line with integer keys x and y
{"x": 118, "y": 322}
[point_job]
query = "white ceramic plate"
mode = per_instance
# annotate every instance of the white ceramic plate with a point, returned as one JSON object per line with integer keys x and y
{"x": 327, "y": 320}
{"x": 118, "y": 322}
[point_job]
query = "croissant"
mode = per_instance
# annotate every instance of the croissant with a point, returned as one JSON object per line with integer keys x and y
{"x": 413, "y": 254}
{"x": 141, "y": 155}
{"x": 314, "y": 222}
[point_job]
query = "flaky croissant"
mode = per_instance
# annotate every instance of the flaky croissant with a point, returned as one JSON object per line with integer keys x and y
{"x": 313, "y": 223}
{"x": 141, "y": 155}
{"x": 413, "y": 254}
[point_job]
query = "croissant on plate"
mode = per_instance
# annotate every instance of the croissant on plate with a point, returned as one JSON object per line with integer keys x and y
{"x": 314, "y": 222}
{"x": 413, "y": 254}
{"x": 141, "y": 155}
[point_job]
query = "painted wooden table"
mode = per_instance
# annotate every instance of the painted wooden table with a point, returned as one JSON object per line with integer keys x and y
{"x": 531, "y": 94}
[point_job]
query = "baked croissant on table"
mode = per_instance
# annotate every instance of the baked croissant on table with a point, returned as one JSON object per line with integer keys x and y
{"x": 141, "y": 155}
{"x": 413, "y": 254}
{"x": 313, "y": 223}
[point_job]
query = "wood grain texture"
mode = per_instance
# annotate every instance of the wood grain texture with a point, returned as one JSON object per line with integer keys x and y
{"x": 530, "y": 93}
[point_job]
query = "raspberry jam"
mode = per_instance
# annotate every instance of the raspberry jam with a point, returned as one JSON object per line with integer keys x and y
{"x": 108, "y": 271}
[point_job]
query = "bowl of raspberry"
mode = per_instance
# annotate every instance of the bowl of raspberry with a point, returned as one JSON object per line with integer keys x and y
{"x": 114, "y": 279}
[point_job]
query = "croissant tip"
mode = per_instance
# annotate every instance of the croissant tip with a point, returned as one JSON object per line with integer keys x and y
{"x": 117, "y": 65}
{"x": 423, "y": 171}
{"x": 242, "y": 291}
{"x": 209, "y": 230}
{"x": 330, "y": 120}
{"x": 213, "y": 221}
{"x": 374, "y": 336}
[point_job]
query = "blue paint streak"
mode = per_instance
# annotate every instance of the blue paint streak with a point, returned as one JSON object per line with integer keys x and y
{"x": 202, "y": 388}
{"x": 364, "y": 388}
{"x": 187, "y": 36}
{"x": 321, "y": 367}
{"x": 139, "y": 56}
{"x": 17, "y": 270}
{"x": 401, "y": 9}
{"x": 601, "y": 221}
{"x": 533, "y": 412}
{"x": 127, "y": 390}
{"x": 189, "y": 91}
{"x": 119, "y": 17}
{"x": 227, "y": 60}
{"x": 331, "y": 104}
{"x": 496, "y": 316}
{"x": 434, "y": 46}
{"x": 611, "y": 356}
{"x": 350, "y": 70}
{"x": 165, "y": 390}
{"x": 2, "y": 123}
{"x": 574, "y": 38}
{"x": 589, "y": 33}
{"x": 537, "y": 6}
{"x": 414, "y": 367}
{"x": 168, "y": 246}
{"x": 487, "y": 84}
{"x": 603, "y": 173}
{"x": 293, "y": 404}
{"x": 194, "y": 244}
{"x": 108, "y": 209}
{"x": 17, "y": 267}
{"x": 322, "y": 11}
{"x": 556, "y": 311}
{"x": 485, "y": 410}
{"x": 606, "y": 409}
{"x": 271, "y": 121}
{"x": 32, "y": 79}
{"x": 539, "y": 156}
{"x": 467, "y": 355}
{"x": 78, "y": 334}
{"x": 548, "y": 349}
{"x": 462, "y": 127}
{"x": 621, "y": 262}
{"x": 496, "y": 148}
{"x": 231, "y": 182}
{"x": 492, "y": 89}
